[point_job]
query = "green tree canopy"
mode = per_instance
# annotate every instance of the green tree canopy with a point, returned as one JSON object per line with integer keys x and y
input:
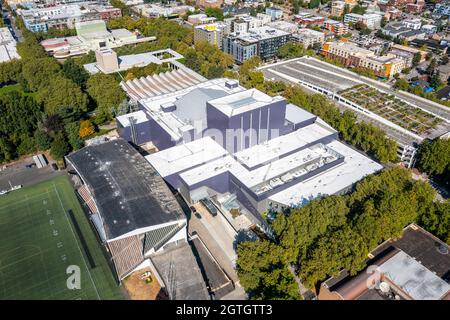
{"x": 434, "y": 156}
{"x": 62, "y": 96}
{"x": 59, "y": 147}
{"x": 262, "y": 272}
{"x": 107, "y": 94}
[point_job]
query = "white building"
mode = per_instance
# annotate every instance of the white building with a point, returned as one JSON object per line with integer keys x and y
{"x": 244, "y": 22}
{"x": 284, "y": 26}
{"x": 429, "y": 29}
{"x": 211, "y": 33}
{"x": 413, "y": 24}
{"x": 201, "y": 18}
{"x": 151, "y": 10}
{"x": 91, "y": 35}
{"x": 8, "y": 49}
{"x": 371, "y": 20}
{"x": 309, "y": 37}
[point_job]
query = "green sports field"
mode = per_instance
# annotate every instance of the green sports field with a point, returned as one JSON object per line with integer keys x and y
{"x": 43, "y": 231}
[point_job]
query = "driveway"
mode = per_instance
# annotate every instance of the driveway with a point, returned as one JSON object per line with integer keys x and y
{"x": 218, "y": 237}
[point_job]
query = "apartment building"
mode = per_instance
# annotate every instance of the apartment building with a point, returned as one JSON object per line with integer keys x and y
{"x": 201, "y": 18}
{"x": 244, "y": 22}
{"x": 263, "y": 42}
{"x": 308, "y": 37}
{"x": 335, "y": 27}
{"x": 442, "y": 8}
{"x": 211, "y": 33}
{"x": 371, "y": 20}
{"x": 209, "y": 3}
{"x": 353, "y": 56}
{"x": 337, "y": 8}
{"x": 275, "y": 13}
{"x": 65, "y": 16}
{"x": 310, "y": 21}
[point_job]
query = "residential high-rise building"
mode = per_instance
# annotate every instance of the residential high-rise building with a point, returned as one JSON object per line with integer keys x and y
{"x": 263, "y": 42}
{"x": 211, "y": 33}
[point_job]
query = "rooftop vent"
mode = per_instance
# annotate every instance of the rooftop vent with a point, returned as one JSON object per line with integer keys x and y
{"x": 168, "y": 107}
{"x": 231, "y": 84}
{"x": 384, "y": 287}
{"x": 443, "y": 249}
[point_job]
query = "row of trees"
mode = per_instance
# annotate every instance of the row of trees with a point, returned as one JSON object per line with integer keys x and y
{"x": 337, "y": 232}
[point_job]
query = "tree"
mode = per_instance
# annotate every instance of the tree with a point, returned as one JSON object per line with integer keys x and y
{"x": 437, "y": 220}
{"x": 6, "y": 150}
{"x": 434, "y": 156}
{"x": 305, "y": 224}
{"x": 42, "y": 140}
{"x": 342, "y": 249}
{"x": 431, "y": 66}
{"x": 59, "y": 147}
{"x": 35, "y": 71}
{"x": 72, "y": 131}
{"x": 62, "y": 96}
{"x": 262, "y": 272}
{"x": 10, "y": 72}
{"x": 75, "y": 72}
{"x": 86, "y": 129}
{"x": 358, "y": 9}
{"x": 19, "y": 116}
{"x": 435, "y": 79}
{"x": 214, "y": 12}
{"x": 107, "y": 94}
{"x": 314, "y": 4}
{"x": 416, "y": 59}
{"x": 291, "y": 50}
{"x": 401, "y": 84}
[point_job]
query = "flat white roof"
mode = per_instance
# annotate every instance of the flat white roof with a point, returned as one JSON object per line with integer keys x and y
{"x": 413, "y": 278}
{"x": 138, "y": 116}
{"x": 355, "y": 167}
{"x": 261, "y": 33}
{"x": 169, "y": 120}
{"x": 261, "y": 178}
{"x": 281, "y": 145}
{"x": 185, "y": 156}
{"x": 243, "y": 101}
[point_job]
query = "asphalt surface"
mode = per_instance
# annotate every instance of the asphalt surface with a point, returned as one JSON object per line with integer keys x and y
{"x": 18, "y": 174}
{"x": 215, "y": 277}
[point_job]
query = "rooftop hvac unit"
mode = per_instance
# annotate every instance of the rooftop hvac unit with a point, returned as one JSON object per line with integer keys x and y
{"x": 384, "y": 287}
{"x": 168, "y": 107}
{"x": 231, "y": 84}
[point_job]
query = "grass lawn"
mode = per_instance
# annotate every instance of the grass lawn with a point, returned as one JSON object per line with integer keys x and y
{"x": 18, "y": 88}
{"x": 43, "y": 231}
